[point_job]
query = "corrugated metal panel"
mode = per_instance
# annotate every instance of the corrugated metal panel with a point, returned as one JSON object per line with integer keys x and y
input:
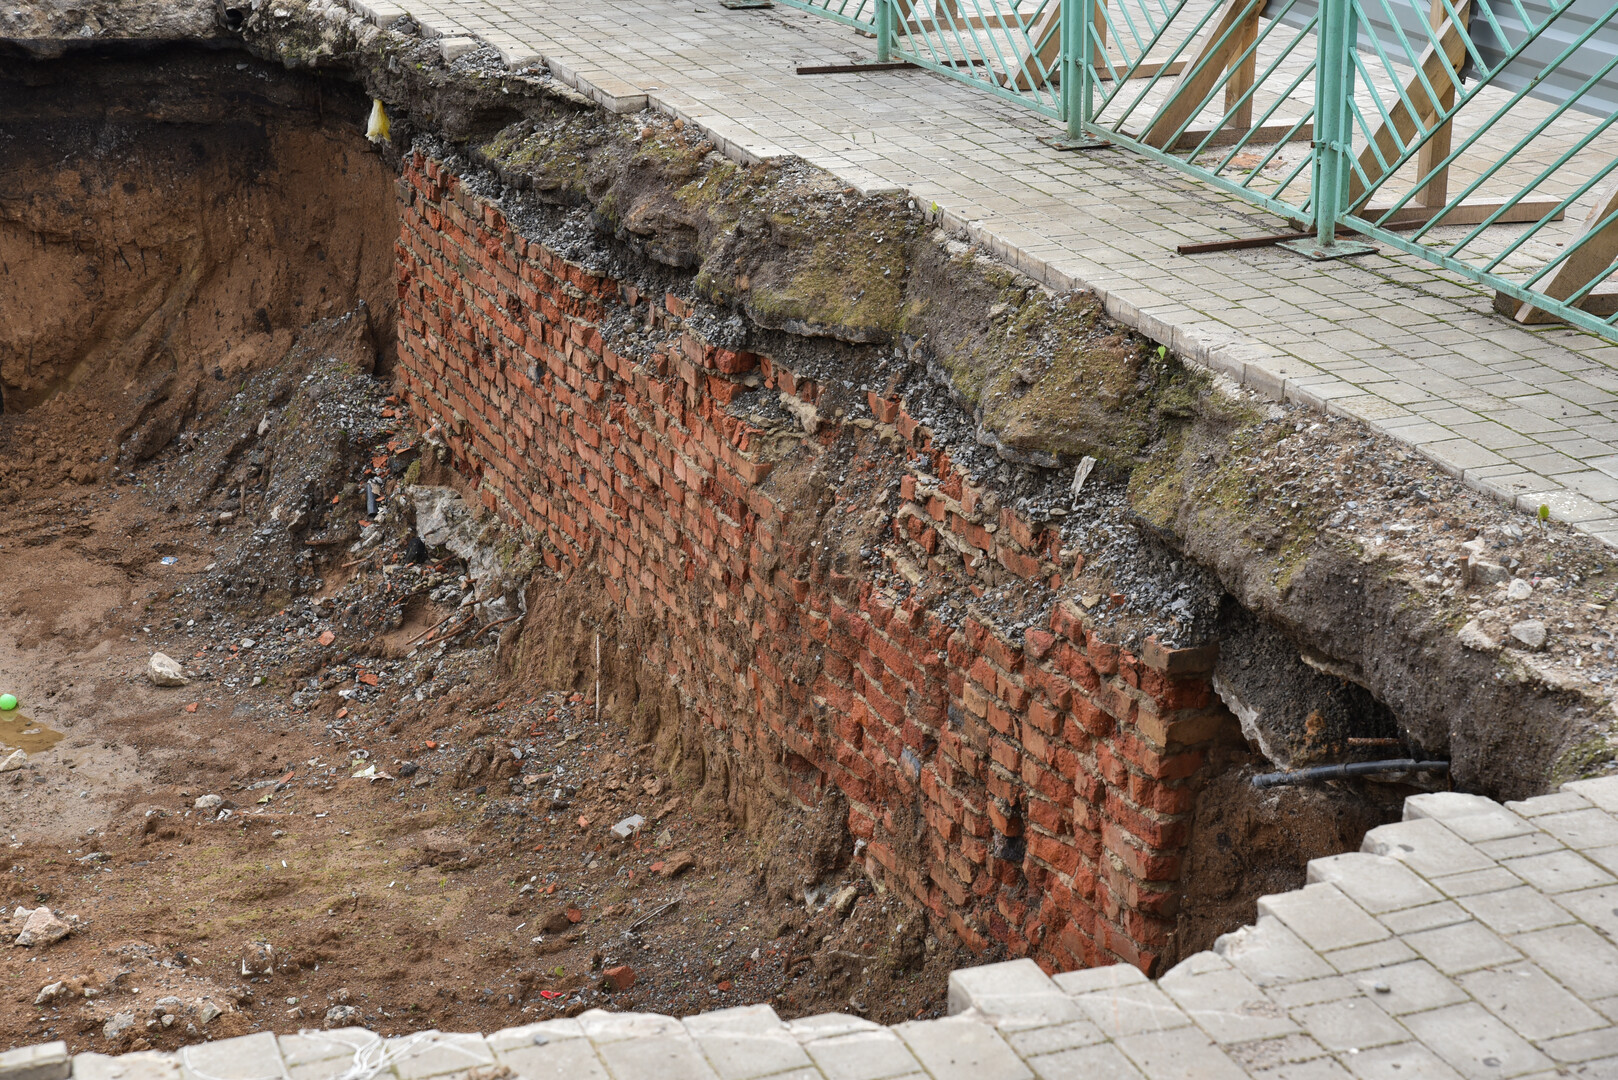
{"x": 1576, "y": 19}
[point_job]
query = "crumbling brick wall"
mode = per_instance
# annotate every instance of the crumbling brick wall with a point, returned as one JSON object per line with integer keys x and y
{"x": 1055, "y": 777}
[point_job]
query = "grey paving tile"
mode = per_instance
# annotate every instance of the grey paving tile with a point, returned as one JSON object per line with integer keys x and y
{"x": 1475, "y": 1043}
{"x": 959, "y": 1048}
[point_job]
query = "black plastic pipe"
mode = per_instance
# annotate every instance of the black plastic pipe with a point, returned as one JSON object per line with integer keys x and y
{"x": 1343, "y": 772}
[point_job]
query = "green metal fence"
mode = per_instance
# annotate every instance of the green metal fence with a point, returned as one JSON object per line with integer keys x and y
{"x": 1473, "y": 133}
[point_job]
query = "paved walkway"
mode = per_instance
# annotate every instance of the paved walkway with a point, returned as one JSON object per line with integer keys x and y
{"x": 1470, "y": 940}
{"x": 1528, "y": 415}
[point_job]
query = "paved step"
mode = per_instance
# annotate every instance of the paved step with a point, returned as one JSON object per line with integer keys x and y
{"x": 1470, "y": 940}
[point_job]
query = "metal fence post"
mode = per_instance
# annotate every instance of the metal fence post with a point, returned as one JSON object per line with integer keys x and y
{"x": 884, "y": 30}
{"x": 1334, "y": 132}
{"x": 1078, "y": 75}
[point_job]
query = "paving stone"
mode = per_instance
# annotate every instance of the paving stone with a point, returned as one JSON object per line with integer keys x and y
{"x": 438, "y": 1053}
{"x": 146, "y": 1065}
{"x": 1576, "y": 956}
{"x": 1475, "y": 1043}
{"x": 655, "y": 1057}
{"x": 553, "y": 1059}
{"x": 1494, "y": 879}
{"x": 1132, "y": 1009}
{"x": 1581, "y": 828}
{"x": 1375, "y": 955}
{"x": 1050, "y": 1040}
{"x": 746, "y": 1042}
{"x": 1601, "y": 792}
{"x": 307, "y": 1047}
{"x": 1462, "y": 947}
{"x": 1529, "y": 1001}
{"x": 1012, "y": 995}
{"x": 246, "y": 1057}
{"x": 1427, "y": 917}
{"x": 600, "y": 1026}
{"x": 1559, "y": 871}
{"x": 1103, "y": 1062}
{"x": 1511, "y": 847}
{"x": 1351, "y": 1024}
{"x": 1427, "y": 847}
{"x": 1471, "y": 817}
{"x": 44, "y": 1061}
{"x": 1560, "y": 802}
{"x": 862, "y": 1055}
{"x": 1183, "y": 1054}
{"x": 1323, "y": 917}
{"x": 1584, "y": 1046}
{"x": 1405, "y": 1061}
{"x": 1598, "y": 907}
{"x": 1514, "y": 911}
{"x": 1269, "y": 954}
{"x": 540, "y": 1034}
{"x": 1226, "y": 1004}
{"x": 1265, "y": 1055}
{"x": 1110, "y": 977}
{"x": 961, "y": 1048}
{"x": 1374, "y": 882}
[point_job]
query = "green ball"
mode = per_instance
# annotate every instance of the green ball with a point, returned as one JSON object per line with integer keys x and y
{"x": 8, "y": 702}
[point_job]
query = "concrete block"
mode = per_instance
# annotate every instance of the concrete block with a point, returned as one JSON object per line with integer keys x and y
{"x": 1582, "y": 829}
{"x": 962, "y": 1048}
{"x": 1471, "y": 817}
{"x": 554, "y": 1059}
{"x": 1426, "y": 917}
{"x": 1559, "y": 803}
{"x": 1050, "y": 1040}
{"x": 600, "y": 1026}
{"x": 1409, "y": 987}
{"x": 1013, "y": 996}
{"x": 438, "y": 1054}
{"x": 45, "y": 1061}
{"x": 1576, "y": 956}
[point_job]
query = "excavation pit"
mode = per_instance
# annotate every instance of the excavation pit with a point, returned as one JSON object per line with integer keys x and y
{"x": 727, "y": 512}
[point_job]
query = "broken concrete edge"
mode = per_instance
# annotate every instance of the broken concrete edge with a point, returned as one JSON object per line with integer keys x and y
{"x": 1222, "y": 352}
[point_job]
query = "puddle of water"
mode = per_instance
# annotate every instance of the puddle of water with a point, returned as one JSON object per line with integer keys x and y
{"x": 20, "y": 733}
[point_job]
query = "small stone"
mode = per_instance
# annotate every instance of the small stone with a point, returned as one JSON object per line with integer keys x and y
{"x": 620, "y": 978}
{"x": 342, "y": 1014}
{"x": 1519, "y": 590}
{"x": 118, "y": 1025}
{"x": 208, "y": 1012}
{"x": 248, "y": 643}
{"x": 678, "y": 863}
{"x": 164, "y": 670}
{"x": 208, "y": 802}
{"x": 628, "y": 827}
{"x": 43, "y": 928}
{"x": 843, "y": 902}
{"x": 50, "y": 993}
{"x": 16, "y": 761}
{"x": 1473, "y": 637}
{"x": 1531, "y": 633}
{"x": 1488, "y": 573}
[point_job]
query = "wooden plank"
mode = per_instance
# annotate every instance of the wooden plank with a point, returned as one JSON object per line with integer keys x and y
{"x": 1210, "y": 64}
{"x": 1470, "y": 212}
{"x": 1597, "y": 252}
{"x": 1439, "y": 68}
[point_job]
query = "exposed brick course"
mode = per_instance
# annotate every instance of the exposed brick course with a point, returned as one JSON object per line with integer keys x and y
{"x": 1053, "y": 779}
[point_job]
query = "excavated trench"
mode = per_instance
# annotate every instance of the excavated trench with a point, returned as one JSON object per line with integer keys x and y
{"x": 189, "y": 234}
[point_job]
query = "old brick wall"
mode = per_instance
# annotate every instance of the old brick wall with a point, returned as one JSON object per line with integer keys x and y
{"x": 1054, "y": 776}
